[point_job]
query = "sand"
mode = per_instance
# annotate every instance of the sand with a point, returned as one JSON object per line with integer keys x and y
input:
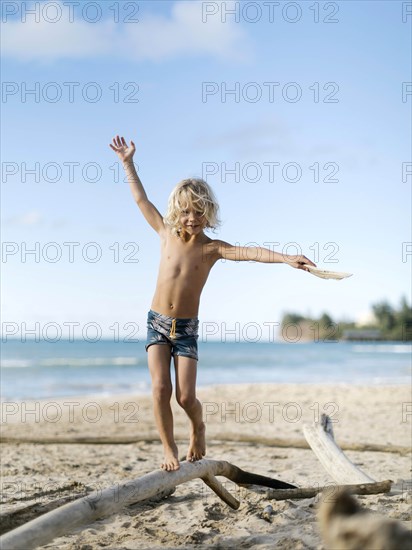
{"x": 36, "y": 473}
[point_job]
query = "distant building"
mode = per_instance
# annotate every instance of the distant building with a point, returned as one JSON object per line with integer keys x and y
{"x": 362, "y": 334}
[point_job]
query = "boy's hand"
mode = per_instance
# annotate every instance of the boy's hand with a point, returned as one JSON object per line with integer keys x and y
{"x": 298, "y": 262}
{"x": 122, "y": 150}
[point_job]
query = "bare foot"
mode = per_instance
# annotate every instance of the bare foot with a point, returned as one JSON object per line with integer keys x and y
{"x": 197, "y": 447}
{"x": 171, "y": 461}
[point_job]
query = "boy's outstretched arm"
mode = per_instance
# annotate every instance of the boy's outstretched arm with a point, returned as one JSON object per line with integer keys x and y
{"x": 148, "y": 209}
{"x": 226, "y": 251}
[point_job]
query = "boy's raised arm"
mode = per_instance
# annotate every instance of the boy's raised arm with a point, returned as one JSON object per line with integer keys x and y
{"x": 148, "y": 209}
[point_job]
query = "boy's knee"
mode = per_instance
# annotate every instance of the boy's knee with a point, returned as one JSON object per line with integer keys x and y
{"x": 162, "y": 391}
{"x": 186, "y": 401}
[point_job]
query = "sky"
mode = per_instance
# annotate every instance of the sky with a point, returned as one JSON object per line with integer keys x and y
{"x": 296, "y": 113}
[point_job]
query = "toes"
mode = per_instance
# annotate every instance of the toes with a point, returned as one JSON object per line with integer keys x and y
{"x": 193, "y": 457}
{"x": 170, "y": 466}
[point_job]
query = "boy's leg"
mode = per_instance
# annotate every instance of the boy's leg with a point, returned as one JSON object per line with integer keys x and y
{"x": 159, "y": 367}
{"x": 186, "y": 369}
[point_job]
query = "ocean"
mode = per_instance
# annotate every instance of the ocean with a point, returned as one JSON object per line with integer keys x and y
{"x": 42, "y": 370}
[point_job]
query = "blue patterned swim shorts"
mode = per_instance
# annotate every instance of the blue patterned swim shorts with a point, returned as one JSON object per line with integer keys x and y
{"x": 180, "y": 334}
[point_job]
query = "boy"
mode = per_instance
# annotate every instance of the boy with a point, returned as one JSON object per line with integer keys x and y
{"x": 187, "y": 256}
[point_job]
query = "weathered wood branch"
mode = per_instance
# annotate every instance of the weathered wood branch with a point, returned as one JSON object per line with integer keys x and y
{"x": 309, "y": 492}
{"x": 336, "y": 463}
{"x": 223, "y": 493}
{"x": 294, "y": 443}
{"x": 100, "y": 504}
{"x": 17, "y": 516}
{"x": 81, "y": 440}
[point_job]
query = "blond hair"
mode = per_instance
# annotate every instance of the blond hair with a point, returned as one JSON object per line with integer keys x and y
{"x": 192, "y": 193}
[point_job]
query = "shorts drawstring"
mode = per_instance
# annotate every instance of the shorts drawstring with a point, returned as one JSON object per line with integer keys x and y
{"x": 173, "y": 329}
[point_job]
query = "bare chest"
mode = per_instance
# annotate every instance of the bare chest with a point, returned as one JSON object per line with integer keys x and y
{"x": 180, "y": 258}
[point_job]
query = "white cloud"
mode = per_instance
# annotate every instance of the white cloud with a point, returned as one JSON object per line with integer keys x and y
{"x": 35, "y": 218}
{"x": 153, "y": 38}
{"x": 28, "y": 218}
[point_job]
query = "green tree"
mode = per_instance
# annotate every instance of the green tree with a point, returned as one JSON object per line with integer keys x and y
{"x": 292, "y": 318}
{"x": 385, "y": 315}
{"x": 325, "y": 321}
{"x": 404, "y": 320}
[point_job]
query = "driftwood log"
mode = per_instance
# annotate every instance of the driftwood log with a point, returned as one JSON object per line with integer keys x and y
{"x": 249, "y": 439}
{"x": 321, "y": 439}
{"x": 101, "y": 504}
{"x": 343, "y": 472}
{"x": 309, "y": 492}
{"x": 343, "y": 523}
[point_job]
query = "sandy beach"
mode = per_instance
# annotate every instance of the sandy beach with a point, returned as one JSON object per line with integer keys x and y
{"x": 55, "y": 450}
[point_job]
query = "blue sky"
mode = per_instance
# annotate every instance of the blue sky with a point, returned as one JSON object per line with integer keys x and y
{"x": 151, "y": 75}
